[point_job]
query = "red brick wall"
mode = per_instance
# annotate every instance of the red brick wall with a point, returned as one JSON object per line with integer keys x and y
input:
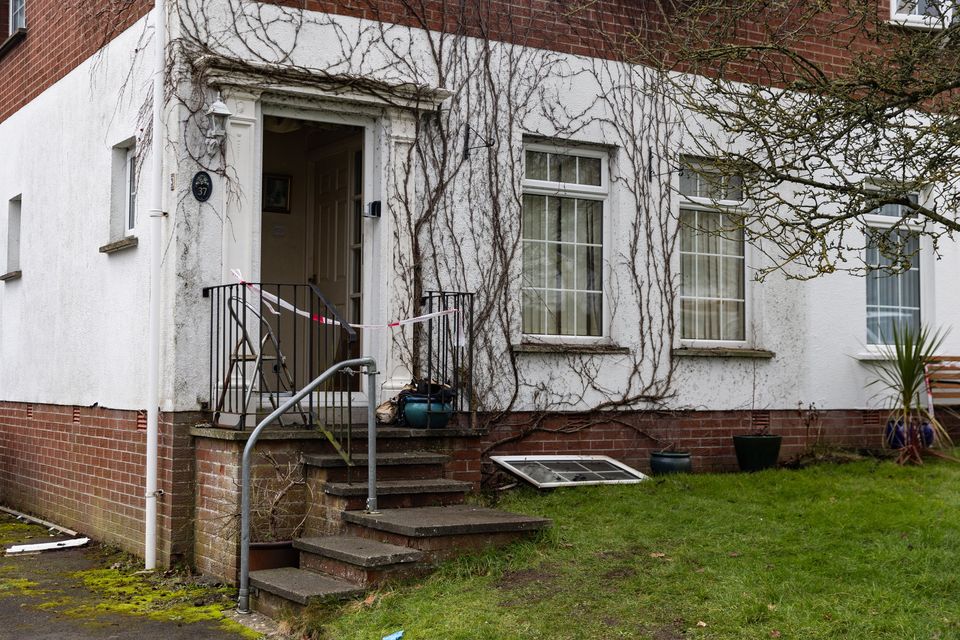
{"x": 83, "y": 468}
{"x": 60, "y": 35}
{"x": 630, "y": 437}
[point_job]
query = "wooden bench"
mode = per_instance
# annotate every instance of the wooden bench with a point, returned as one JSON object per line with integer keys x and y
{"x": 943, "y": 382}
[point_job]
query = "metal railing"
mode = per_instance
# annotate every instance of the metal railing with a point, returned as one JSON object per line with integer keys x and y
{"x": 345, "y": 367}
{"x": 446, "y": 346}
{"x": 266, "y": 341}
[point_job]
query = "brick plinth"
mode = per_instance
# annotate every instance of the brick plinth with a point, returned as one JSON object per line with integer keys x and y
{"x": 83, "y": 467}
{"x": 630, "y": 437}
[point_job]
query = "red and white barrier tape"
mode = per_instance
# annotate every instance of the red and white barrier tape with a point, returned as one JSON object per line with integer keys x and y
{"x": 280, "y": 302}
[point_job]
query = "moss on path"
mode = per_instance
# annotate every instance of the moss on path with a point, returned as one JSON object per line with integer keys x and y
{"x": 97, "y": 592}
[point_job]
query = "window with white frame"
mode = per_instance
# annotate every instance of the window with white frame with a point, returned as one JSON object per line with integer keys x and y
{"x": 14, "y": 222}
{"x": 712, "y": 262}
{"x": 564, "y": 197}
{"x": 123, "y": 190}
{"x": 930, "y": 14}
{"x": 893, "y": 274}
{"x": 18, "y": 15}
{"x": 130, "y": 197}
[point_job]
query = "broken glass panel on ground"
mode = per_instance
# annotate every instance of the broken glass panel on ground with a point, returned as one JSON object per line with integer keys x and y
{"x": 545, "y": 472}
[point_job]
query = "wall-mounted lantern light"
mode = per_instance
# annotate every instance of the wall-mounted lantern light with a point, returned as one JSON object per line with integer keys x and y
{"x": 217, "y": 114}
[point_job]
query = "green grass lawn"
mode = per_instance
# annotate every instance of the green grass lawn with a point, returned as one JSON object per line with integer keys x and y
{"x": 863, "y": 550}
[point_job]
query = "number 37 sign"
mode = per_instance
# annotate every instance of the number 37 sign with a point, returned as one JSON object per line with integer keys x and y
{"x": 202, "y": 186}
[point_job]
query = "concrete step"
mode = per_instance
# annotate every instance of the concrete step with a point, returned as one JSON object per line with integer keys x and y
{"x": 445, "y": 530}
{"x": 398, "y": 487}
{"x": 360, "y": 560}
{"x": 279, "y": 587}
{"x": 359, "y": 551}
{"x": 391, "y": 465}
{"x": 385, "y": 458}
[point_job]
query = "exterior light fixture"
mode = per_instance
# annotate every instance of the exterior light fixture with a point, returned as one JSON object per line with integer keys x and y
{"x": 217, "y": 114}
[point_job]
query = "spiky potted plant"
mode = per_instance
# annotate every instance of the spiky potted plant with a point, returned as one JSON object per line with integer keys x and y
{"x": 901, "y": 378}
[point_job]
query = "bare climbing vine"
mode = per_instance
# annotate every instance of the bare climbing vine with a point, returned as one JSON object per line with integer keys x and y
{"x": 456, "y": 184}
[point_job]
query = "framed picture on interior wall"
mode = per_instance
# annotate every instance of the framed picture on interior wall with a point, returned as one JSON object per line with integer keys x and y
{"x": 276, "y": 193}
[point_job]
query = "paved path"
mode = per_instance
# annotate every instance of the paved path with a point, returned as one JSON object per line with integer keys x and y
{"x": 47, "y": 609}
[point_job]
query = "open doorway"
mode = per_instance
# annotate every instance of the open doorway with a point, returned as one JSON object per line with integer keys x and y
{"x": 312, "y": 233}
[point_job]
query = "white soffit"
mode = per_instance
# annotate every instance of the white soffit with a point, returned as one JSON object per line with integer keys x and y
{"x": 546, "y": 472}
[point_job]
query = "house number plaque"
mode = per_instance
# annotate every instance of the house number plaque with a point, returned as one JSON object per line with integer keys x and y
{"x": 202, "y": 186}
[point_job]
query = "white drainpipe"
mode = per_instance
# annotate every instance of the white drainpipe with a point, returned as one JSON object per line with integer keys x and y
{"x": 153, "y": 330}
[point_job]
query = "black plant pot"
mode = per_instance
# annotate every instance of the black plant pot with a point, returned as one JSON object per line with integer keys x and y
{"x": 664, "y": 462}
{"x": 757, "y": 452}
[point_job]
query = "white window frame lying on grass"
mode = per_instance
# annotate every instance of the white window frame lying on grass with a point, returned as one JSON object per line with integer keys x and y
{"x": 915, "y": 13}
{"x": 578, "y": 194}
{"x": 884, "y": 219}
{"x": 508, "y": 462}
{"x": 699, "y": 203}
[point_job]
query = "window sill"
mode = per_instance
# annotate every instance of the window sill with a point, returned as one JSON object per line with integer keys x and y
{"x": 912, "y": 22}
{"x": 568, "y": 347}
{"x": 12, "y": 41}
{"x": 872, "y": 356}
{"x": 11, "y": 275}
{"x": 723, "y": 352}
{"x": 120, "y": 245}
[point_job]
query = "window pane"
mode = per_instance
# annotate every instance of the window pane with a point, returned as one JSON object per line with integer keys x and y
{"x": 889, "y": 291}
{"x": 356, "y": 275}
{"x": 566, "y": 266}
{"x": 688, "y": 274}
{"x": 589, "y": 314}
{"x": 563, "y": 168}
{"x": 536, "y": 165}
{"x": 734, "y": 188}
{"x": 688, "y": 182}
{"x": 708, "y": 321}
{"x": 568, "y": 313}
{"x": 731, "y": 242}
{"x": 357, "y": 221}
{"x": 590, "y": 221}
{"x": 910, "y": 288}
{"x": 893, "y": 297}
{"x": 589, "y": 171}
{"x": 873, "y": 327}
{"x": 688, "y": 225}
{"x": 733, "y": 328}
{"x": 731, "y": 285}
{"x": 688, "y": 319}
{"x": 554, "y": 320}
{"x": 708, "y": 276}
{"x": 560, "y": 219}
{"x": 708, "y": 232}
{"x": 873, "y": 283}
{"x": 589, "y": 268}
{"x": 131, "y": 191}
{"x": 534, "y": 264}
{"x": 533, "y": 310}
{"x": 533, "y": 216}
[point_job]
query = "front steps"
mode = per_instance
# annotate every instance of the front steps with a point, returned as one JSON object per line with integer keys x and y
{"x": 422, "y": 519}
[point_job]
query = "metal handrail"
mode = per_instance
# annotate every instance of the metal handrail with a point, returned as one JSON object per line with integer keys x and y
{"x": 243, "y": 604}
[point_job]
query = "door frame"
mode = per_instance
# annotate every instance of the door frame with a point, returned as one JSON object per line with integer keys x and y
{"x": 371, "y": 187}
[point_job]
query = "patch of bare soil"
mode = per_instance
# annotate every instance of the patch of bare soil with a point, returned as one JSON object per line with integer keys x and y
{"x": 512, "y": 580}
{"x": 829, "y": 455}
{"x": 619, "y": 573}
{"x": 672, "y": 631}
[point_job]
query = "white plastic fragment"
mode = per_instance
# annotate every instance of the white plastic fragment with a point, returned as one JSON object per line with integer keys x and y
{"x": 47, "y": 546}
